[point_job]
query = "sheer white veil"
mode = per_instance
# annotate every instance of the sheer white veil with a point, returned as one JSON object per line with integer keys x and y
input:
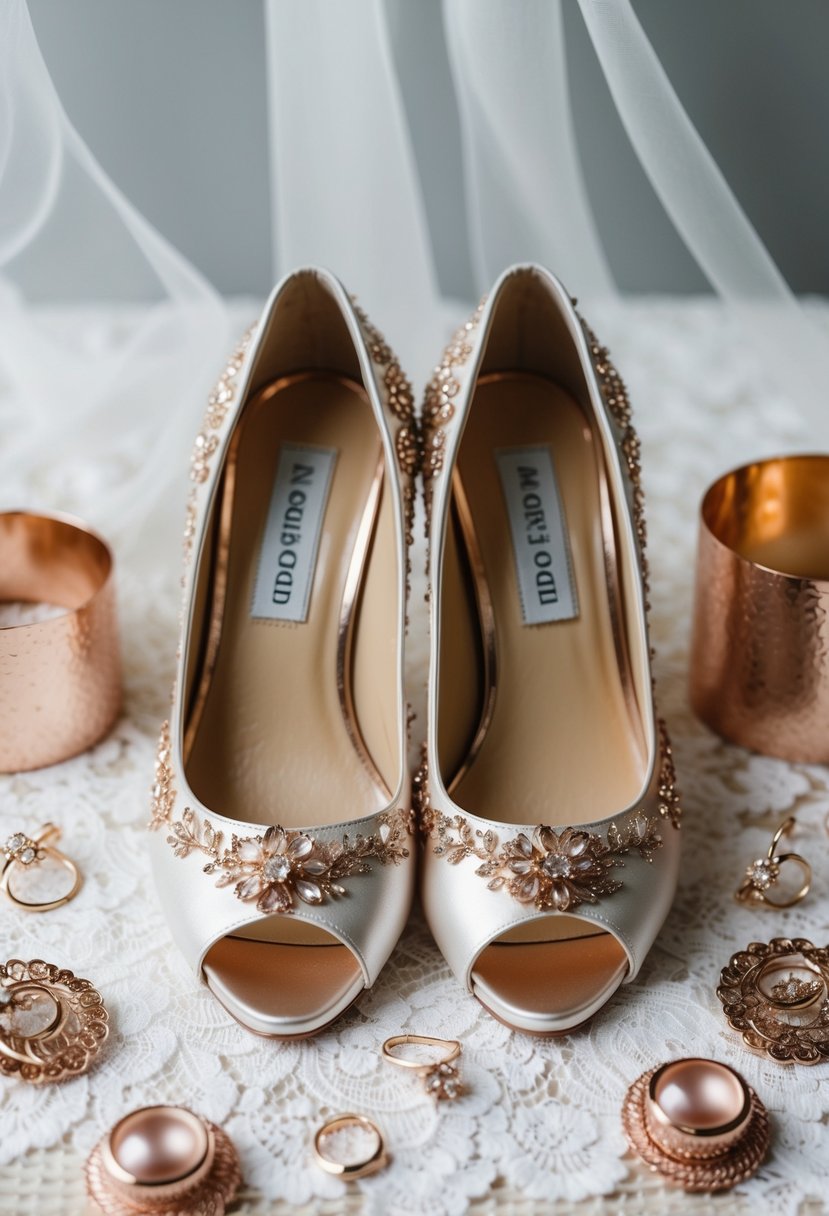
{"x": 102, "y": 427}
{"x": 348, "y": 191}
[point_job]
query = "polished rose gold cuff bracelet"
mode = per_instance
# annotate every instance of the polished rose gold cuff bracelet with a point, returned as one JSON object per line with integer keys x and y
{"x": 60, "y": 678}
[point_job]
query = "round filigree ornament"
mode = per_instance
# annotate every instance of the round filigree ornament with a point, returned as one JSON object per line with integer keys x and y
{"x": 52, "y": 1023}
{"x": 776, "y": 995}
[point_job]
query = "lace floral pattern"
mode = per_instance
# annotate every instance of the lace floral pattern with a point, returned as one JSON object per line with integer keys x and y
{"x": 539, "y": 1119}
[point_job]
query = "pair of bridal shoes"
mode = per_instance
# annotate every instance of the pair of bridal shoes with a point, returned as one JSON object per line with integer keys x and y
{"x": 541, "y": 825}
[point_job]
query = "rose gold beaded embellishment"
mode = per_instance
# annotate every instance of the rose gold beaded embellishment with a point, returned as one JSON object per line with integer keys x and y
{"x": 207, "y": 441}
{"x": 438, "y": 403}
{"x": 615, "y": 395}
{"x": 669, "y": 800}
{"x": 400, "y": 401}
{"x": 163, "y": 792}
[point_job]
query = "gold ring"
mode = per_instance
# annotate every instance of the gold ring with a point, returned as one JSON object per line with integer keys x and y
{"x": 764, "y": 873}
{"x": 441, "y": 1077}
{"x": 351, "y": 1167}
{"x": 25, "y": 851}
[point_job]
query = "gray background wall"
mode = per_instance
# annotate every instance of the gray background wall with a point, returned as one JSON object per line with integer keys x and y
{"x": 171, "y": 97}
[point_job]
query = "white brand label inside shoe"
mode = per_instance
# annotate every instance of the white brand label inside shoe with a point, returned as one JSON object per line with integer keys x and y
{"x": 539, "y": 535}
{"x": 288, "y": 557}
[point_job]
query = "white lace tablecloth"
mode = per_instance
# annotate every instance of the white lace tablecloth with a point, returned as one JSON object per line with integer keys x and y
{"x": 539, "y": 1129}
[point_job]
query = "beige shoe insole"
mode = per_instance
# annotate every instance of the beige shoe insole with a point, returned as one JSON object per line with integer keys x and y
{"x": 562, "y": 745}
{"x": 273, "y": 740}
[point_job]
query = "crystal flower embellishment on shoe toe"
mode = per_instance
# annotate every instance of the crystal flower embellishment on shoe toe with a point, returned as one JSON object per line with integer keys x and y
{"x": 276, "y": 867}
{"x": 279, "y": 867}
{"x": 556, "y": 870}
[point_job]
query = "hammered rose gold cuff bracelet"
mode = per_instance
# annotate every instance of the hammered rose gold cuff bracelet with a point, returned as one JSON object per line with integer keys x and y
{"x": 60, "y": 678}
{"x": 760, "y": 648}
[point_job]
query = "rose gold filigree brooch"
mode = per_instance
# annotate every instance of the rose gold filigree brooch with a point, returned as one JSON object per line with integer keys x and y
{"x": 52, "y": 1024}
{"x": 776, "y": 995}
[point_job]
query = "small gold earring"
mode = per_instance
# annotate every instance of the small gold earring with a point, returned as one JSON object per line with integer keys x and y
{"x": 764, "y": 873}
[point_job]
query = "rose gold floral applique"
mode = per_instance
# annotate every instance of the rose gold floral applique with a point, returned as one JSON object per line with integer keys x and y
{"x": 207, "y": 441}
{"x": 281, "y": 866}
{"x": 551, "y": 869}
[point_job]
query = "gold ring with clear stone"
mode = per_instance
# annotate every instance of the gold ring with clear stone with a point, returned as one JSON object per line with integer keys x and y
{"x": 441, "y": 1078}
{"x": 764, "y": 873}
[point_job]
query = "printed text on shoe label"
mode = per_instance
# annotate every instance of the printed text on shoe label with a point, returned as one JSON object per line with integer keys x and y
{"x": 539, "y": 535}
{"x": 288, "y": 557}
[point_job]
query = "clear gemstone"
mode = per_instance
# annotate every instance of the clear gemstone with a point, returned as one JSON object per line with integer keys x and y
{"x": 763, "y": 873}
{"x": 443, "y": 1082}
{"x": 556, "y": 865}
{"x": 795, "y": 990}
{"x": 14, "y": 842}
{"x": 277, "y": 869}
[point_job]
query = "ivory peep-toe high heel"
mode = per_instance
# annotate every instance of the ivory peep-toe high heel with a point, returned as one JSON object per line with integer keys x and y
{"x": 282, "y": 850}
{"x": 547, "y": 790}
